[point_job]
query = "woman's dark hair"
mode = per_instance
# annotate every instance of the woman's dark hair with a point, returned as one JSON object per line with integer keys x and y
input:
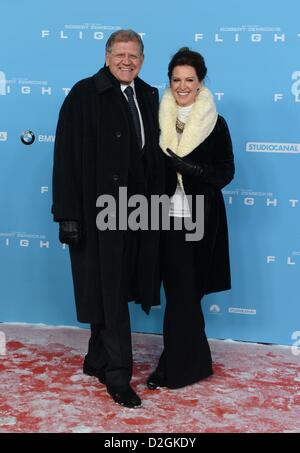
{"x": 185, "y": 56}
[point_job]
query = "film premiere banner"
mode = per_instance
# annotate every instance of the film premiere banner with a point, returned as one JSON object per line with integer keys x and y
{"x": 251, "y": 52}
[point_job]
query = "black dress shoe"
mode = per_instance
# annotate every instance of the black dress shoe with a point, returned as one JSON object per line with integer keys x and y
{"x": 156, "y": 380}
{"x": 124, "y": 396}
{"x": 90, "y": 371}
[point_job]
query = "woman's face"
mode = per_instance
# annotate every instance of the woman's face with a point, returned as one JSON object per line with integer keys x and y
{"x": 184, "y": 85}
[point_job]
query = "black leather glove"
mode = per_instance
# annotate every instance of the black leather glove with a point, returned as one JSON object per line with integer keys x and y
{"x": 184, "y": 165}
{"x": 69, "y": 232}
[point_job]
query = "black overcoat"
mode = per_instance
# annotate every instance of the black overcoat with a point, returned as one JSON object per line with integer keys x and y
{"x": 92, "y": 157}
{"x": 212, "y": 252}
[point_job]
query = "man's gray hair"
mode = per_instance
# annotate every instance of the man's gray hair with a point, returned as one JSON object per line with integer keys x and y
{"x": 124, "y": 36}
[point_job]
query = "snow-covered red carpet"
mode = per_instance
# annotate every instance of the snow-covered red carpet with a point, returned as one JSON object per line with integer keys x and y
{"x": 255, "y": 388}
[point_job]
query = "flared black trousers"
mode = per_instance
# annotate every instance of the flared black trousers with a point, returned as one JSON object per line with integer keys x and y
{"x": 186, "y": 357}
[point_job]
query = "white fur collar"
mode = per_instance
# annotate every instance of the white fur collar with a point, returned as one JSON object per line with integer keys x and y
{"x": 199, "y": 125}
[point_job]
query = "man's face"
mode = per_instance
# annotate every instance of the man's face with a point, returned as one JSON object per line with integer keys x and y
{"x": 124, "y": 61}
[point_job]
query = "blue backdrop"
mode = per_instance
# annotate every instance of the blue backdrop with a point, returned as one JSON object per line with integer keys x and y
{"x": 252, "y": 52}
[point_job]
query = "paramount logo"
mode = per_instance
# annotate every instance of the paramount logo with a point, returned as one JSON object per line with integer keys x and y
{"x": 266, "y": 147}
{"x": 214, "y": 309}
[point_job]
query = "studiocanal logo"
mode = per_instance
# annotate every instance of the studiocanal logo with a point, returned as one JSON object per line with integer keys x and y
{"x": 27, "y": 137}
{"x": 271, "y": 147}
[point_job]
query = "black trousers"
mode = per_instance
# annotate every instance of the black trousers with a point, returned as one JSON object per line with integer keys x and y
{"x": 110, "y": 349}
{"x": 186, "y": 357}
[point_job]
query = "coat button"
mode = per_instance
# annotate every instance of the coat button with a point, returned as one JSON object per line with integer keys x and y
{"x": 118, "y": 134}
{"x": 116, "y": 177}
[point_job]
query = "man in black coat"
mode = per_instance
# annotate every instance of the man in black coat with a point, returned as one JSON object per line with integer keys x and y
{"x": 107, "y": 139}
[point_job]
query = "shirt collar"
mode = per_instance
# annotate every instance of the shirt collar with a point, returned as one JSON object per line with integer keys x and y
{"x": 123, "y": 87}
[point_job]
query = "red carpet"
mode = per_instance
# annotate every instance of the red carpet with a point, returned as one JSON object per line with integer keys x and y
{"x": 255, "y": 388}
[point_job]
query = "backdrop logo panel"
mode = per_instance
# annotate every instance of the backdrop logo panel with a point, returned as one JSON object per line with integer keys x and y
{"x": 247, "y": 197}
{"x": 27, "y": 137}
{"x": 296, "y": 344}
{"x": 252, "y": 34}
{"x": 294, "y": 91}
{"x": 242, "y": 311}
{"x": 291, "y": 259}
{"x": 22, "y": 85}
{"x": 295, "y": 88}
{"x": 23, "y": 239}
{"x": 2, "y": 343}
{"x": 80, "y": 31}
{"x": 254, "y": 75}
{"x": 214, "y": 309}
{"x": 2, "y": 84}
{"x": 43, "y": 138}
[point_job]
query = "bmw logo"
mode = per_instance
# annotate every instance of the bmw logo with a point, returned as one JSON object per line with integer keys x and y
{"x": 27, "y": 137}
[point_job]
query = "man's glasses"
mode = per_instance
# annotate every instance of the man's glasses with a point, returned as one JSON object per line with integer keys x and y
{"x": 122, "y": 56}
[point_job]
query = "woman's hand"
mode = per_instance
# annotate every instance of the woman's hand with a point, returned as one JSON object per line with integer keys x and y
{"x": 184, "y": 165}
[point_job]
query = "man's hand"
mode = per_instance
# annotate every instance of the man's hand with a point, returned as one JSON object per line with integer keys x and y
{"x": 184, "y": 165}
{"x": 69, "y": 232}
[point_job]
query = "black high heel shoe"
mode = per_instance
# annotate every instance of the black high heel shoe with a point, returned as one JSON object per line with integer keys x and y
{"x": 156, "y": 380}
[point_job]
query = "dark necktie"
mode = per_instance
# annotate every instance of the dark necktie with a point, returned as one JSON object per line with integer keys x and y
{"x": 135, "y": 114}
